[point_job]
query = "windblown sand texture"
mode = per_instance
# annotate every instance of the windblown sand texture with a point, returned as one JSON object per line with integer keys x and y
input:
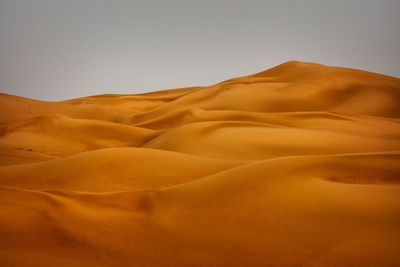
{"x": 298, "y": 165}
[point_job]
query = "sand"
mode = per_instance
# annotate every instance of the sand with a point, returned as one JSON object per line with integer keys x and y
{"x": 298, "y": 165}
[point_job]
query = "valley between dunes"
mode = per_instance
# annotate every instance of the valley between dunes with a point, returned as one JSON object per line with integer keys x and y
{"x": 298, "y": 165}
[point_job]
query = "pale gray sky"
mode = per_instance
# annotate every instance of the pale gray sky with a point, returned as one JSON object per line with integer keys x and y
{"x": 59, "y": 49}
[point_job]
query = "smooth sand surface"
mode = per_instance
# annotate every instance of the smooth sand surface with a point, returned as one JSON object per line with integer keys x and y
{"x": 298, "y": 165}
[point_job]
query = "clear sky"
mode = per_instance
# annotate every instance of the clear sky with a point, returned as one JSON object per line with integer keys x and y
{"x": 59, "y": 49}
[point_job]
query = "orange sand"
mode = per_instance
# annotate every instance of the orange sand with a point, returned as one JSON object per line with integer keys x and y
{"x": 298, "y": 165}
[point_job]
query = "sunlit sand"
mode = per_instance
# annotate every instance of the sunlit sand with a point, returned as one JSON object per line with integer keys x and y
{"x": 298, "y": 165}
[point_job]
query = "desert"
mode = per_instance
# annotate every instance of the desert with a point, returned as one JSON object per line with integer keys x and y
{"x": 297, "y": 165}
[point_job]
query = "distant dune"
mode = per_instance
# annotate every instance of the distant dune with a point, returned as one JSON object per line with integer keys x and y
{"x": 298, "y": 165}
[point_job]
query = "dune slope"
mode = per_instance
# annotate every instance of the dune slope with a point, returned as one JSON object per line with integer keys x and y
{"x": 298, "y": 165}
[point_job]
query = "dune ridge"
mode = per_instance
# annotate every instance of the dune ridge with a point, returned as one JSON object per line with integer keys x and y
{"x": 297, "y": 165}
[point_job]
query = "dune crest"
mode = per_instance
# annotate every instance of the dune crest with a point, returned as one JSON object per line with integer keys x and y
{"x": 297, "y": 165}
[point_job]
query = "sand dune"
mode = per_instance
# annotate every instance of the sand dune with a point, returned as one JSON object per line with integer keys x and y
{"x": 61, "y": 135}
{"x": 298, "y": 165}
{"x": 246, "y": 141}
{"x": 113, "y": 169}
{"x": 12, "y": 156}
{"x": 100, "y": 107}
{"x": 295, "y": 86}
